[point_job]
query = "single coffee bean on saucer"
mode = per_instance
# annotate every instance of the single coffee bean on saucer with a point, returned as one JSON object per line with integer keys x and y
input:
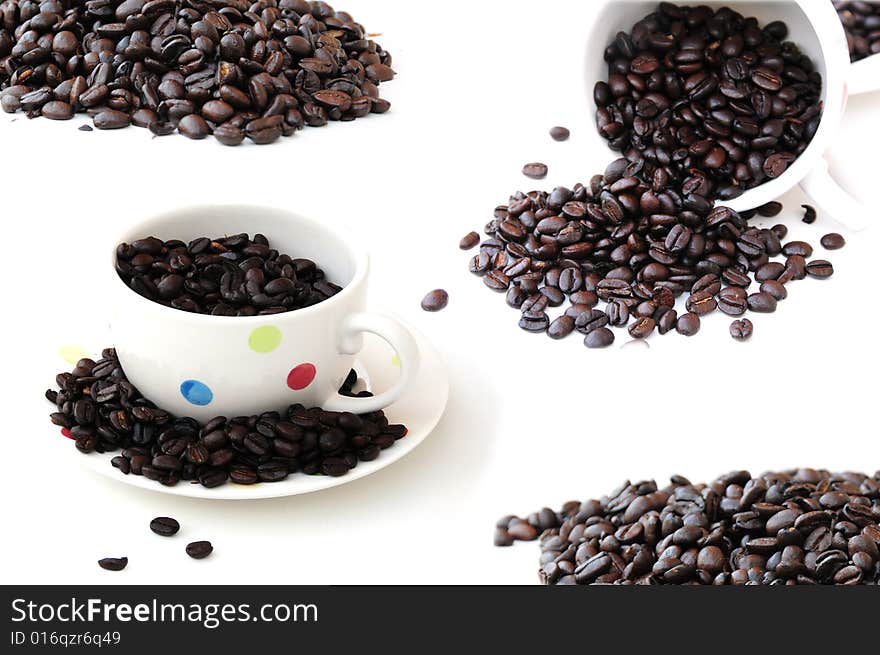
{"x": 536, "y": 171}
{"x": 833, "y": 241}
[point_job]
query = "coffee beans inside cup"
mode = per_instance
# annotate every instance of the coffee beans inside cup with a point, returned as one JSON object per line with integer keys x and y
{"x": 232, "y": 69}
{"x": 227, "y": 276}
{"x": 796, "y": 527}
{"x": 102, "y": 412}
{"x": 709, "y": 98}
{"x": 861, "y": 22}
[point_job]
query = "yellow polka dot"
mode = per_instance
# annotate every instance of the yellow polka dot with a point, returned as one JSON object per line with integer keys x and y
{"x": 72, "y": 354}
{"x": 395, "y": 361}
{"x": 265, "y": 339}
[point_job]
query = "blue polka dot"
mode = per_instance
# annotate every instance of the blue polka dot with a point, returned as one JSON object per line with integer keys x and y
{"x": 197, "y": 393}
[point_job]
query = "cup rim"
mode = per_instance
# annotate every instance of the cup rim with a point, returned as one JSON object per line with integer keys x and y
{"x": 832, "y": 43}
{"x": 357, "y": 255}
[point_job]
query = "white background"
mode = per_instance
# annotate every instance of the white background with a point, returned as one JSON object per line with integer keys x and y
{"x": 530, "y": 422}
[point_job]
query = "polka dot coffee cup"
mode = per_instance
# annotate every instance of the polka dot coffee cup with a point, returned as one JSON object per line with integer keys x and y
{"x": 205, "y": 366}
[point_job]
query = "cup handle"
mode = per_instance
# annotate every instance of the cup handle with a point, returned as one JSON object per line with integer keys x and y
{"x": 864, "y": 76}
{"x": 832, "y": 198}
{"x": 398, "y": 337}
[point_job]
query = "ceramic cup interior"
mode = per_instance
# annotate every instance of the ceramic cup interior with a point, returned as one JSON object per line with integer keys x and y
{"x": 814, "y": 26}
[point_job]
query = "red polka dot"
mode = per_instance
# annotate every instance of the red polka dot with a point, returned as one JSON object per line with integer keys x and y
{"x": 301, "y": 376}
{"x": 66, "y": 433}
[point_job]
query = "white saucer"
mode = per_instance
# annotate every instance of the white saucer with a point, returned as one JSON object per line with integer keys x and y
{"x": 420, "y": 409}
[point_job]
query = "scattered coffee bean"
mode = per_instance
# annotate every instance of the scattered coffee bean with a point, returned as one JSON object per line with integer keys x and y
{"x": 105, "y": 413}
{"x": 209, "y": 67}
{"x": 688, "y": 324}
{"x": 775, "y": 289}
{"x": 716, "y": 118}
{"x": 113, "y": 563}
{"x": 861, "y": 21}
{"x": 227, "y": 276}
{"x": 559, "y": 133}
{"x": 199, "y": 549}
{"x": 535, "y": 171}
{"x": 796, "y": 527}
{"x": 819, "y": 268}
{"x": 599, "y": 338}
{"x": 469, "y": 240}
{"x": 164, "y": 526}
{"x": 742, "y": 329}
{"x": 809, "y": 214}
{"x": 762, "y": 303}
{"x": 435, "y": 300}
{"x": 771, "y": 209}
{"x": 85, "y": 128}
{"x": 833, "y": 241}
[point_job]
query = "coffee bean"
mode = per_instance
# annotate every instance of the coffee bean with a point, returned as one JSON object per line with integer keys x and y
{"x": 199, "y": 549}
{"x": 733, "y": 301}
{"x": 711, "y": 121}
{"x": 310, "y": 67}
{"x": 819, "y": 268}
{"x": 762, "y": 302}
{"x": 110, "y": 119}
{"x": 770, "y": 209}
{"x": 801, "y": 248}
{"x": 561, "y": 327}
{"x": 688, "y": 324}
{"x": 833, "y": 241}
{"x": 193, "y": 126}
{"x": 642, "y": 327}
{"x": 599, "y": 338}
{"x": 742, "y": 329}
{"x": 164, "y": 526}
{"x": 809, "y": 214}
{"x": 860, "y": 21}
{"x": 536, "y": 171}
{"x": 469, "y": 240}
{"x": 113, "y": 563}
{"x": 560, "y": 133}
{"x": 435, "y": 300}
{"x": 774, "y": 289}
{"x": 736, "y": 530}
{"x": 226, "y": 276}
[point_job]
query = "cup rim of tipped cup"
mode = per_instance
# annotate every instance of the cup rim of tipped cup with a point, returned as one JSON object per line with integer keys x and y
{"x": 146, "y": 227}
{"x": 827, "y": 31}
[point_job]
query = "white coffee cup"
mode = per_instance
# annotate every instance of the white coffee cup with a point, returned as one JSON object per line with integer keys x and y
{"x": 816, "y": 28}
{"x": 205, "y": 366}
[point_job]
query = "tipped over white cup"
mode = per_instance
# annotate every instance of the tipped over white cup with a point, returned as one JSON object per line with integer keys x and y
{"x": 205, "y": 366}
{"x": 815, "y": 27}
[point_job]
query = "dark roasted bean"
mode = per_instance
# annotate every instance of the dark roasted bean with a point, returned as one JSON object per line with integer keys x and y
{"x": 164, "y": 526}
{"x": 742, "y": 329}
{"x": 435, "y": 300}
{"x": 199, "y": 549}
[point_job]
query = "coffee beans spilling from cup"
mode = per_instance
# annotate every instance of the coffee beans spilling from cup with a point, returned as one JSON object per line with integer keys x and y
{"x": 226, "y": 276}
{"x": 710, "y": 98}
{"x": 233, "y": 69}
{"x": 861, "y": 21}
{"x": 635, "y": 246}
{"x": 794, "y": 527}
{"x": 101, "y": 410}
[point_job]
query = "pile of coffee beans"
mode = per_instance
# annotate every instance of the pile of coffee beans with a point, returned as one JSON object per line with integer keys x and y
{"x": 227, "y": 276}
{"x": 635, "y": 246}
{"x": 793, "y": 527}
{"x": 231, "y": 68}
{"x": 861, "y": 21}
{"x": 708, "y": 98}
{"x": 103, "y": 412}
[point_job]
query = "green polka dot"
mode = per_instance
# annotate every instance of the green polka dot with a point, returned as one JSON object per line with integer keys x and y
{"x": 395, "y": 361}
{"x": 265, "y": 339}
